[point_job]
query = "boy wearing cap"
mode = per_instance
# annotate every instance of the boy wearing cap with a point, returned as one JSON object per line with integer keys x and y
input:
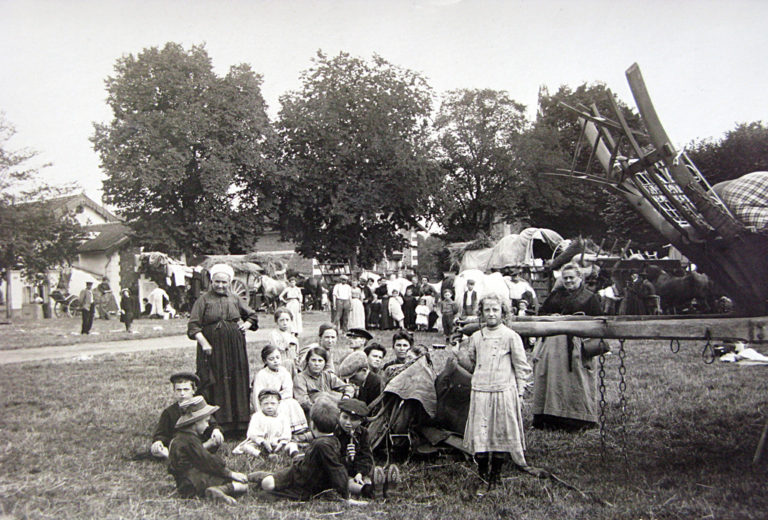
{"x": 198, "y": 472}
{"x": 320, "y": 470}
{"x": 355, "y": 446}
{"x": 355, "y": 370}
{"x": 184, "y": 387}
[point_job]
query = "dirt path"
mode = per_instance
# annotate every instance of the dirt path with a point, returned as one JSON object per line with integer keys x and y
{"x": 107, "y": 347}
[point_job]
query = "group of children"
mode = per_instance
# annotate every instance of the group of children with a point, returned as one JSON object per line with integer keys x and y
{"x": 294, "y": 384}
{"x": 338, "y": 454}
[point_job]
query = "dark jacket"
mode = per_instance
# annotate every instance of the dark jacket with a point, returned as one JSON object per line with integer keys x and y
{"x": 193, "y": 467}
{"x": 363, "y": 461}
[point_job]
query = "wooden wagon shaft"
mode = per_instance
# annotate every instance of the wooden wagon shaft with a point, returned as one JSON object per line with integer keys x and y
{"x": 752, "y": 330}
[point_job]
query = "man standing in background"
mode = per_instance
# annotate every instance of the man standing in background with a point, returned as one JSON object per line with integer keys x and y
{"x": 87, "y": 308}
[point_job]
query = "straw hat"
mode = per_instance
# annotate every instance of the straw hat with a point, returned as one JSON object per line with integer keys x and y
{"x": 195, "y": 408}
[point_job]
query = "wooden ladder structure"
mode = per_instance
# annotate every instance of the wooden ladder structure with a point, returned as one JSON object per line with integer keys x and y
{"x": 667, "y": 189}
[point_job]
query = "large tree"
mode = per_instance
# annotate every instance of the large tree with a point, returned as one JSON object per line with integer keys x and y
{"x": 356, "y": 157}
{"x": 482, "y": 142}
{"x": 188, "y": 155}
{"x": 742, "y": 150}
{"x": 32, "y": 237}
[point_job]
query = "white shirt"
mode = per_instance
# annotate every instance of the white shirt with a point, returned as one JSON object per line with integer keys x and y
{"x": 342, "y": 291}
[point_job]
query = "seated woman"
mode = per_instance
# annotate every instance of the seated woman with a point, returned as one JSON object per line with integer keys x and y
{"x": 314, "y": 381}
{"x": 565, "y": 385}
{"x": 328, "y": 336}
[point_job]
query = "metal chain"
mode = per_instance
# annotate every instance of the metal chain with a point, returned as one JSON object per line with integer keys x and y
{"x": 601, "y": 374}
{"x": 674, "y": 345}
{"x": 623, "y": 400}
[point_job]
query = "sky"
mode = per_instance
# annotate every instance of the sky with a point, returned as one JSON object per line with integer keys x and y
{"x": 703, "y": 61}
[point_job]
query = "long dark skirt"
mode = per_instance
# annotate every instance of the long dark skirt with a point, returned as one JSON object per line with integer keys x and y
{"x": 224, "y": 377}
{"x": 385, "y": 322}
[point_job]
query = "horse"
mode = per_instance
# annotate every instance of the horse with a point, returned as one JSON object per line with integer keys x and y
{"x": 312, "y": 289}
{"x": 679, "y": 292}
{"x": 270, "y": 290}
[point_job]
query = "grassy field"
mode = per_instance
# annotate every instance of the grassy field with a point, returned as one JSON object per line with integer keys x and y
{"x": 25, "y": 332}
{"x": 68, "y": 430}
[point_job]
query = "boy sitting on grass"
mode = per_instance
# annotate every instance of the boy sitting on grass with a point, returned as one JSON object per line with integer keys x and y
{"x": 355, "y": 447}
{"x": 184, "y": 387}
{"x": 197, "y": 471}
{"x": 269, "y": 431}
{"x": 320, "y": 470}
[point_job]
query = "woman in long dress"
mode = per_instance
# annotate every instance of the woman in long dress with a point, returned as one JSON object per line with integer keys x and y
{"x": 293, "y": 300}
{"x": 565, "y": 385}
{"x": 357, "y": 310}
{"x": 222, "y": 360}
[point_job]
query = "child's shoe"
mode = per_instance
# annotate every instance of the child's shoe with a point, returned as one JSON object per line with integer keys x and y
{"x": 393, "y": 476}
{"x": 379, "y": 476}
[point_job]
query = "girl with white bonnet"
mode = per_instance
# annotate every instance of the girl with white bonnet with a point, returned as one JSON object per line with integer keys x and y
{"x": 222, "y": 361}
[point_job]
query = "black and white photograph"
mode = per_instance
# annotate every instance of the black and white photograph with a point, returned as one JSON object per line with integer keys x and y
{"x": 383, "y": 259}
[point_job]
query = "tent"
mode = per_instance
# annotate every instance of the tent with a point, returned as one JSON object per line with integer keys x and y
{"x": 511, "y": 250}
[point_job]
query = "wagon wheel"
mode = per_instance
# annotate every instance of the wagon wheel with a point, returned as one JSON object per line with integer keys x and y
{"x": 73, "y": 307}
{"x": 239, "y": 288}
{"x": 59, "y": 308}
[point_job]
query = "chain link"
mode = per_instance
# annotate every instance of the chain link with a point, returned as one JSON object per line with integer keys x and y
{"x": 623, "y": 401}
{"x": 601, "y": 374}
{"x": 674, "y": 345}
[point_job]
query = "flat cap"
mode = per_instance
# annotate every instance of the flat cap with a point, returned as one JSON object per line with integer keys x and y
{"x": 354, "y": 407}
{"x": 352, "y": 363}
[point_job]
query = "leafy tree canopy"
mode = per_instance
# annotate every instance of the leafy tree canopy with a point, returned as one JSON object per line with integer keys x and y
{"x": 481, "y": 134}
{"x": 188, "y": 154}
{"x": 356, "y": 164}
{"x": 32, "y": 237}
{"x": 742, "y": 150}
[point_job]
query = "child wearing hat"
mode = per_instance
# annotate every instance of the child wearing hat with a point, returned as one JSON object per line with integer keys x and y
{"x": 354, "y": 369}
{"x": 197, "y": 471}
{"x": 269, "y": 431}
{"x": 184, "y": 387}
{"x": 448, "y": 310}
{"x": 356, "y": 448}
{"x": 320, "y": 470}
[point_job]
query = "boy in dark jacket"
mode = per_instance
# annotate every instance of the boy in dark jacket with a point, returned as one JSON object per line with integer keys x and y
{"x": 320, "y": 470}
{"x": 184, "y": 387}
{"x": 197, "y": 471}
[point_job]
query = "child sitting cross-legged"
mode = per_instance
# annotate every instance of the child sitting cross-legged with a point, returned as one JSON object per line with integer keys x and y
{"x": 197, "y": 471}
{"x": 269, "y": 431}
{"x": 320, "y": 470}
{"x": 184, "y": 387}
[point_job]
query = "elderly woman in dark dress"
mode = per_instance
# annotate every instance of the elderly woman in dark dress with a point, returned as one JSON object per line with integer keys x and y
{"x": 565, "y": 387}
{"x": 222, "y": 360}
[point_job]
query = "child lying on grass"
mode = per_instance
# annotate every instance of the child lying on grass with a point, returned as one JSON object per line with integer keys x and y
{"x": 184, "y": 387}
{"x": 197, "y": 471}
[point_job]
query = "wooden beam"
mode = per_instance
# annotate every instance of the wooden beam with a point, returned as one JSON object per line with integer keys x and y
{"x": 752, "y": 330}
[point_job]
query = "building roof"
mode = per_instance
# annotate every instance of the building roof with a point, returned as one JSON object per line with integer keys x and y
{"x": 108, "y": 237}
{"x": 72, "y": 202}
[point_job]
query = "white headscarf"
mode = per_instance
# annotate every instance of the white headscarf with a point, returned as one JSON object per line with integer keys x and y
{"x": 222, "y": 269}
